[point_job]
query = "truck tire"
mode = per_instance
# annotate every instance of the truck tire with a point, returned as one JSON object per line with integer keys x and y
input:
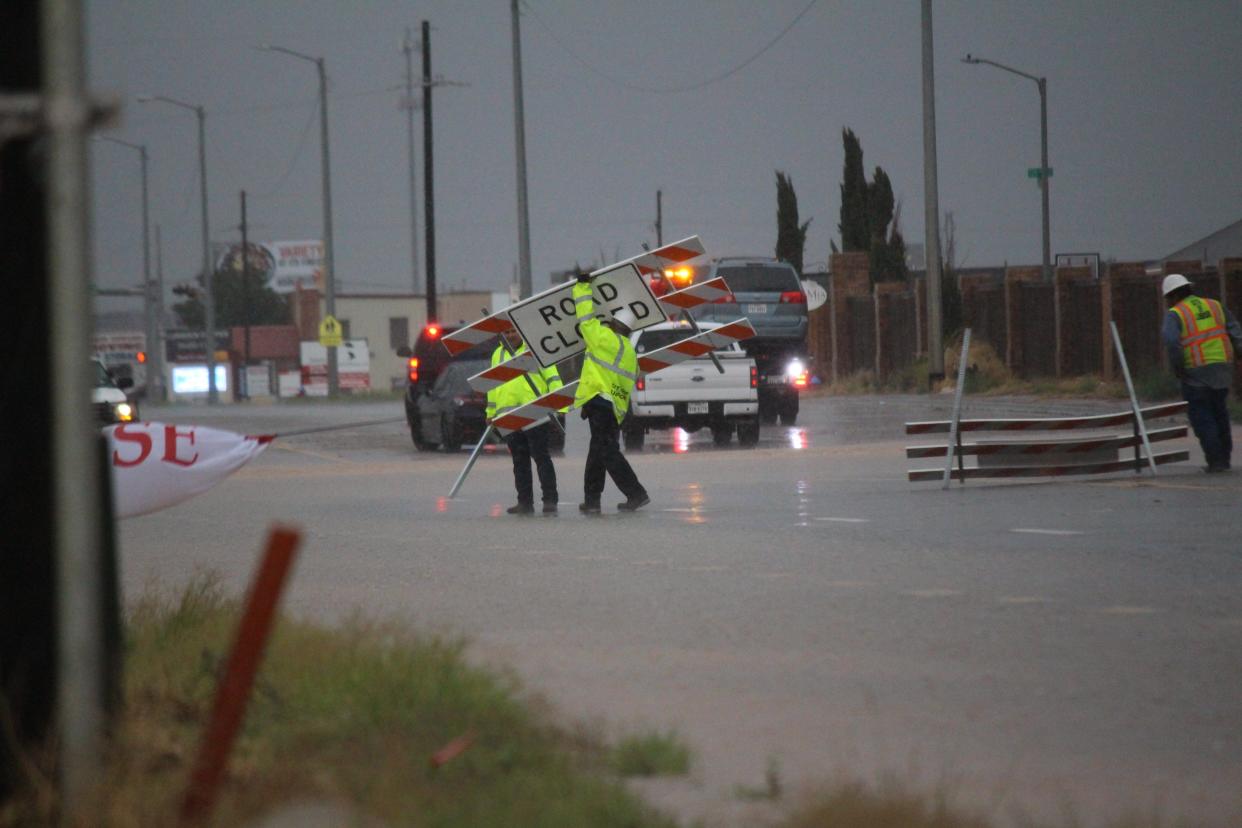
{"x": 634, "y": 437}
{"x": 416, "y": 435}
{"x": 722, "y": 434}
{"x": 748, "y": 433}
{"x": 450, "y": 433}
{"x": 789, "y": 411}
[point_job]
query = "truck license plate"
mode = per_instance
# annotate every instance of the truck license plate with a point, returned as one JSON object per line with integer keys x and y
{"x": 756, "y": 308}
{"x": 696, "y": 408}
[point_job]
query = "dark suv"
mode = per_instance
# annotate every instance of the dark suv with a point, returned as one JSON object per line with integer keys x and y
{"x": 769, "y": 293}
{"x": 441, "y": 408}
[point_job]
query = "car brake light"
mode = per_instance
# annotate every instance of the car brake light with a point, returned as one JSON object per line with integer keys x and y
{"x": 658, "y": 286}
{"x": 793, "y": 297}
{"x": 801, "y": 380}
{"x": 727, "y": 299}
{"x": 413, "y": 369}
{"x": 142, "y": 357}
{"x": 641, "y": 384}
{"x": 432, "y": 331}
{"x": 754, "y": 377}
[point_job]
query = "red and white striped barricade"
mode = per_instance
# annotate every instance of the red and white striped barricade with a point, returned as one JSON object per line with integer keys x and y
{"x": 1048, "y": 456}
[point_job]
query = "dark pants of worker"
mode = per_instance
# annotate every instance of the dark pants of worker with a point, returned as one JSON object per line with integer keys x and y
{"x": 605, "y": 455}
{"x": 1209, "y": 417}
{"x": 525, "y": 445}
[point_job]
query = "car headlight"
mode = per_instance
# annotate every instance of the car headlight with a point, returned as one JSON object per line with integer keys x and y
{"x": 794, "y": 368}
{"x": 124, "y": 412}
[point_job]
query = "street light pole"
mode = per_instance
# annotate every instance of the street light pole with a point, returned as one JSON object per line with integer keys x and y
{"x": 155, "y": 356}
{"x": 1044, "y": 171}
{"x": 209, "y": 301}
{"x": 408, "y": 47}
{"x": 329, "y": 268}
{"x": 519, "y": 128}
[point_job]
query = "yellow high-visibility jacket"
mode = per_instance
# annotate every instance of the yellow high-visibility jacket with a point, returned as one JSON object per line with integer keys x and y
{"x": 610, "y": 368}
{"x": 1204, "y": 335}
{"x": 517, "y": 391}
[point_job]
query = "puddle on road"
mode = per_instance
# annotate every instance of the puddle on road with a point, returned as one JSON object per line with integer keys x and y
{"x": 680, "y": 441}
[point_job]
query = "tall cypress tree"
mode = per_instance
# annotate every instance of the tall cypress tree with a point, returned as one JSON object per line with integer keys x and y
{"x": 790, "y": 236}
{"x": 855, "y": 225}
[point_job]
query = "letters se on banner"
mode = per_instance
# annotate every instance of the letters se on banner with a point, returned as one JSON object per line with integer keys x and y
{"x": 157, "y": 465}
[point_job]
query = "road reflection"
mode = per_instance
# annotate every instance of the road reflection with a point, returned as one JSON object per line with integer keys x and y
{"x": 680, "y": 441}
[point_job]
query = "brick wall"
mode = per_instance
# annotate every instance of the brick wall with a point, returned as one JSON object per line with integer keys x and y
{"x": 851, "y": 278}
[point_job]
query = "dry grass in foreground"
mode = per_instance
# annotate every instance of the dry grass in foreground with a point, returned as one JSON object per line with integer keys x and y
{"x": 348, "y": 715}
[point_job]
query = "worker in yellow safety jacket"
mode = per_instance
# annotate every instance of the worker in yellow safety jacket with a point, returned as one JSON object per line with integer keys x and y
{"x": 533, "y": 442}
{"x": 609, "y": 371}
{"x": 1201, "y": 338}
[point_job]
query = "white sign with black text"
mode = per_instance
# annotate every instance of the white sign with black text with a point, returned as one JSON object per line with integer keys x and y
{"x": 549, "y": 323}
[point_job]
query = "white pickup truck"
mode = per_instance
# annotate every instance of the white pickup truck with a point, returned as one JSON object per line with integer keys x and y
{"x": 693, "y": 394}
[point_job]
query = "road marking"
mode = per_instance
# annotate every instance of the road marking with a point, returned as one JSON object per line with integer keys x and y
{"x": 1021, "y": 599}
{"x": 932, "y": 593}
{"x": 1122, "y": 609}
{"x": 844, "y": 519}
{"x": 679, "y": 509}
{"x": 1046, "y": 531}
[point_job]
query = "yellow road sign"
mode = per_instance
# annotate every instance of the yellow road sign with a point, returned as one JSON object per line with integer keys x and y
{"x": 330, "y": 332}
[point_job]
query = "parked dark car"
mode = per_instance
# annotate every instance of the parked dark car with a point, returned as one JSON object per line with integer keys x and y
{"x": 441, "y": 408}
{"x": 451, "y": 413}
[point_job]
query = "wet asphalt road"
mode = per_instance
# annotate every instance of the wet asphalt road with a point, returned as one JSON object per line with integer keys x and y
{"x": 1028, "y": 644}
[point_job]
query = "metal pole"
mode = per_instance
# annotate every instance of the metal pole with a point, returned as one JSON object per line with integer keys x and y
{"x": 659, "y": 228}
{"x": 160, "y": 346}
{"x": 155, "y": 377}
{"x": 407, "y": 46}
{"x": 1043, "y": 175}
{"x": 329, "y": 264}
{"x": 957, "y": 410}
{"x": 428, "y": 197}
{"x": 474, "y": 455}
{"x": 76, "y": 459}
{"x": 245, "y": 237}
{"x": 519, "y": 129}
{"x": 931, "y": 209}
{"x": 1134, "y": 405}
{"x": 209, "y": 299}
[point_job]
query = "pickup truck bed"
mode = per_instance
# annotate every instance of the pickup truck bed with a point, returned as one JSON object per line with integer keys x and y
{"x": 692, "y": 395}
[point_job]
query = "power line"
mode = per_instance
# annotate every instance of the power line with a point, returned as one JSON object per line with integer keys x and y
{"x": 667, "y": 89}
{"x": 293, "y": 162}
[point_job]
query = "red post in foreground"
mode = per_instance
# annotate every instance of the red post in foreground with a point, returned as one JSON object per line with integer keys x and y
{"x": 243, "y": 663}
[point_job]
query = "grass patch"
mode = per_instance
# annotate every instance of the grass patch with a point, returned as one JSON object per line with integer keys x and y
{"x": 350, "y": 714}
{"x": 650, "y": 754}
{"x": 889, "y": 805}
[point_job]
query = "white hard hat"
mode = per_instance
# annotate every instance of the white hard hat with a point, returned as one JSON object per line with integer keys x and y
{"x": 625, "y": 317}
{"x": 1172, "y": 282}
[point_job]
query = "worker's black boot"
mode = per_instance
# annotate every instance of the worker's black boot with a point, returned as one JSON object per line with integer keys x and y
{"x": 589, "y": 507}
{"x": 521, "y": 509}
{"x": 634, "y": 503}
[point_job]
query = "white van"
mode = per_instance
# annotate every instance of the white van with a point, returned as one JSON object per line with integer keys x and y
{"x": 110, "y": 403}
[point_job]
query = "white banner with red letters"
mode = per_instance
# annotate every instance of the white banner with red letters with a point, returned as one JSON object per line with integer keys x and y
{"x": 157, "y": 465}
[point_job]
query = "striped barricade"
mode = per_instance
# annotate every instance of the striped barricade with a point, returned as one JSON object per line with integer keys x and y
{"x": 701, "y": 294}
{"x": 1046, "y": 456}
{"x": 498, "y": 375}
{"x": 536, "y": 411}
{"x": 695, "y": 346}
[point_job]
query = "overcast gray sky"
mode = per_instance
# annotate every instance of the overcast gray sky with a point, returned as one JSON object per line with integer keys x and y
{"x": 1144, "y": 119}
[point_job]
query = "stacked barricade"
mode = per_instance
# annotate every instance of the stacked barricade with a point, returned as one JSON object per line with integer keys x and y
{"x": 1048, "y": 456}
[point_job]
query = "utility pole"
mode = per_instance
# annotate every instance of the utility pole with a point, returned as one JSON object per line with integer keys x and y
{"x": 325, "y": 162}
{"x": 931, "y": 208}
{"x": 519, "y": 129}
{"x": 409, "y": 105}
{"x": 159, "y": 307}
{"x": 245, "y": 257}
{"x": 155, "y": 367}
{"x": 429, "y": 208}
{"x": 1045, "y": 172}
{"x": 659, "y": 225}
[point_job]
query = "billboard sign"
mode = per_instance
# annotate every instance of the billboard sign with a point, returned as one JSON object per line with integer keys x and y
{"x": 285, "y": 264}
{"x": 549, "y": 323}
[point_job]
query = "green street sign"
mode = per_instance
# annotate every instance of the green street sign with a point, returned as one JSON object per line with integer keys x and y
{"x": 1033, "y": 172}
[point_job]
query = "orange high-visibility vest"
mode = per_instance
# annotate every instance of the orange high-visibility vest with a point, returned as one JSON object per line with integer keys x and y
{"x": 1204, "y": 339}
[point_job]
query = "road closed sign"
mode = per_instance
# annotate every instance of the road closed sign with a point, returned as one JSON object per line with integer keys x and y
{"x": 549, "y": 323}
